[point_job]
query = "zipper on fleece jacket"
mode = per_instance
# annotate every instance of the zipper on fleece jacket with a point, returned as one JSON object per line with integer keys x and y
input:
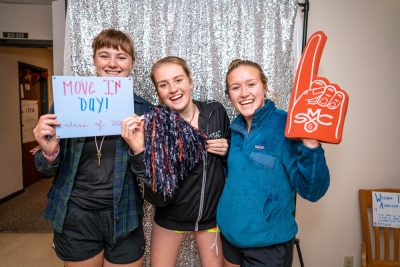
{"x": 203, "y": 185}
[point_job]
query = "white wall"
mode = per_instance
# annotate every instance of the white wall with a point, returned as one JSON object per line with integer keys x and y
{"x": 362, "y": 55}
{"x": 34, "y": 19}
{"x": 37, "y": 21}
{"x": 10, "y": 141}
{"x": 41, "y": 22}
{"x": 58, "y": 14}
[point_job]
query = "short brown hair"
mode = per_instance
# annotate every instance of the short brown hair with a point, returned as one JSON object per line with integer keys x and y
{"x": 170, "y": 59}
{"x": 112, "y": 38}
{"x": 240, "y": 62}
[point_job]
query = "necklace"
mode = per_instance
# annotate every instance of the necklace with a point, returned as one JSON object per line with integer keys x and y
{"x": 99, "y": 148}
{"x": 194, "y": 113}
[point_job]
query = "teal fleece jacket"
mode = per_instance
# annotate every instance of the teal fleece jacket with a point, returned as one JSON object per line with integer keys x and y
{"x": 265, "y": 170}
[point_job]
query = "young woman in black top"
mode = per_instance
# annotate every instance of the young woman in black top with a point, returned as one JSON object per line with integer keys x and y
{"x": 193, "y": 207}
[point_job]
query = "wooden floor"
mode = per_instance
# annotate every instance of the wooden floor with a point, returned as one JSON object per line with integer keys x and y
{"x": 28, "y": 250}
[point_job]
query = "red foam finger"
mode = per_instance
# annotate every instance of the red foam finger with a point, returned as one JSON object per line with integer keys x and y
{"x": 327, "y": 96}
{"x": 318, "y": 84}
{"x": 307, "y": 70}
{"x": 317, "y": 108}
{"x": 306, "y": 74}
{"x": 336, "y": 100}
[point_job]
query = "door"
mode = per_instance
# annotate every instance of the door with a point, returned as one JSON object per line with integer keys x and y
{"x": 33, "y": 103}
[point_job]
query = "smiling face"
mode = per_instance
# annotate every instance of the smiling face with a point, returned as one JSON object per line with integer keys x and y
{"x": 246, "y": 90}
{"x": 112, "y": 62}
{"x": 173, "y": 86}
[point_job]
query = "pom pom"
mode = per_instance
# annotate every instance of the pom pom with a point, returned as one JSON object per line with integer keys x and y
{"x": 172, "y": 149}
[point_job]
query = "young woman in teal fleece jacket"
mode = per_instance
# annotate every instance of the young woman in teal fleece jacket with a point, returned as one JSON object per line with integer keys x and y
{"x": 265, "y": 170}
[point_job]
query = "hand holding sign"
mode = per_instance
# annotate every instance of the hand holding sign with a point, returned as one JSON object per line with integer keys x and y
{"x": 317, "y": 107}
{"x": 45, "y": 133}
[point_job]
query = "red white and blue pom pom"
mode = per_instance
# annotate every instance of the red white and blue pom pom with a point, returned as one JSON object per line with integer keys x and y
{"x": 172, "y": 148}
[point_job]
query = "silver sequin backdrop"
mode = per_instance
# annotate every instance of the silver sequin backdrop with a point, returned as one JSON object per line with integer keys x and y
{"x": 207, "y": 33}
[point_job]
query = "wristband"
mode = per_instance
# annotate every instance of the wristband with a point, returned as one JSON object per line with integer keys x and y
{"x": 51, "y": 157}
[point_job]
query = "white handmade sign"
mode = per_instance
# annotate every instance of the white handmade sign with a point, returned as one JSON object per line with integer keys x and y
{"x": 91, "y": 106}
{"x": 386, "y": 209}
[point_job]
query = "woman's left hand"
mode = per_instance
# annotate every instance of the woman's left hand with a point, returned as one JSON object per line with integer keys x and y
{"x": 133, "y": 133}
{"x": 311, "y": 143}
{"x": 217, "y": 146}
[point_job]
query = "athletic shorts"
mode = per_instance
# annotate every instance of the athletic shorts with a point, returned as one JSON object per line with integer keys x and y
{"x": 279, "y": 255}
{"x": 86, "y": 233}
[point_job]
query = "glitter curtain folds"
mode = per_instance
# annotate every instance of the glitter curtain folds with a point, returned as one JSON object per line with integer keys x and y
{"x": 208, "y": 34}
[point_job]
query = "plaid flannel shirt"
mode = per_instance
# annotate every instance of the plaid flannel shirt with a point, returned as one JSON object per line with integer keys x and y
{"x": 127, "y": 201}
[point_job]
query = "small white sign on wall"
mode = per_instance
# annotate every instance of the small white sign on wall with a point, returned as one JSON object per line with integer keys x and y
{"x": 30, "y": 117}
{"x": 386, "y": 209}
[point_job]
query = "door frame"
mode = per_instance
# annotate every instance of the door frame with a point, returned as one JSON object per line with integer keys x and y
{"x": 42, "y": 108}
{"x": 43, "y": 89}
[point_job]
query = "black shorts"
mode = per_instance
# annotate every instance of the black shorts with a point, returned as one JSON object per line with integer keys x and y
{"x": 279, "y": 255}
{"x": 86, "y": 233}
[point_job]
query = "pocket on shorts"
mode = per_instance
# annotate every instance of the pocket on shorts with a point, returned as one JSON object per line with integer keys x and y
{"x": 72, "y": 216}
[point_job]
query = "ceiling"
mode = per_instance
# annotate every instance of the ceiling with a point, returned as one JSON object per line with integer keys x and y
{"x": 32, "y": 2}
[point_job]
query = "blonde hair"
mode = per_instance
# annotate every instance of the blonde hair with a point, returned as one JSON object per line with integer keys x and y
{"x": 240, "y": 62}
{"x": 170, "y": 59}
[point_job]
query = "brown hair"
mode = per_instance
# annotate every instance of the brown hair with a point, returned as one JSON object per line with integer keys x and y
{"x": 112, "y": 38}
{"x": 173, "y": 60}
{"x": 240, "y": 62}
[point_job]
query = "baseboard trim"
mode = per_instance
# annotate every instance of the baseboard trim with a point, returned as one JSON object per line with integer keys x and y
{"x": 9, "y": 197}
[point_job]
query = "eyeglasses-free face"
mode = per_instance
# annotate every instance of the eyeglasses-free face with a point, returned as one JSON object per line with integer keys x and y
{"x": 111, "y": 62}
{"x": 174, "y": 87}
{"x": 246, "y": 91}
